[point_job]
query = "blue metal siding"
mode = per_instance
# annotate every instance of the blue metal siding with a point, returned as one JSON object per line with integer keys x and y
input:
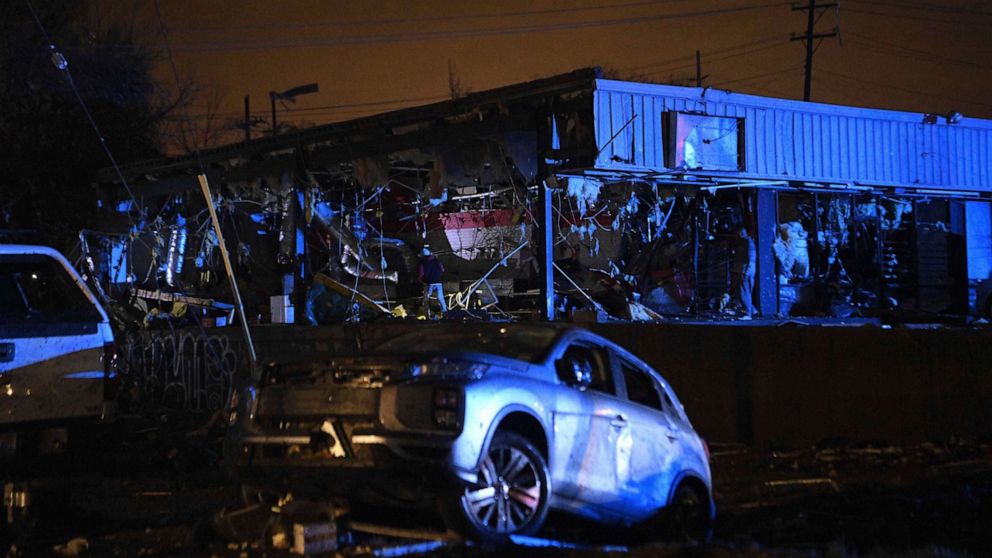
{"x": 793, "y": 140}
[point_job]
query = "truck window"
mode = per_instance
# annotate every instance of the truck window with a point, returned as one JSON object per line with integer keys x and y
{"x": 36, "y": 288}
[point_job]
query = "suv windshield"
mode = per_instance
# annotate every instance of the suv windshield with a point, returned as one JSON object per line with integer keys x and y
{"x": 522, "y": 343}
{"x": 36, "y": 288}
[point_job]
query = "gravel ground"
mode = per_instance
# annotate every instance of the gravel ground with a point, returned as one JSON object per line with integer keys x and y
{"x": 147, "y": 490}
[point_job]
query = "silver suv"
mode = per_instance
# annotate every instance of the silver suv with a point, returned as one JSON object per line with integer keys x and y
{"x": 496, "y": 424}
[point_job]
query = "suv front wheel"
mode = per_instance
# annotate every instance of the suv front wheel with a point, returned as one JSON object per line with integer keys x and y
{"x": 511, "y": 496}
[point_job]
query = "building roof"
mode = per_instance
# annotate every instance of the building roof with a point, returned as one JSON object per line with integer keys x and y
{"x": 780, "y": 140}
{"x": 800, "y": 141}
{"x": 520, "y": 92}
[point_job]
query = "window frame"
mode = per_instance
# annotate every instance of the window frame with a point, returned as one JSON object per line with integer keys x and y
{"x": 664, "y": 405}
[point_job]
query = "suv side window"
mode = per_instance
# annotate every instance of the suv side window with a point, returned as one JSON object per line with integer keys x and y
{"x": 641, "y": 387}
{"x": 586, "y": 356}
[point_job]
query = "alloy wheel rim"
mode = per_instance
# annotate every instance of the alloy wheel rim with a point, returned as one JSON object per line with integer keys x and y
{"x": 508, "y": 494}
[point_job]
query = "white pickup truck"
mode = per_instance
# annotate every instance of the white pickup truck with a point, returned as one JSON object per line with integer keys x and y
{"x": 56, "y": 352}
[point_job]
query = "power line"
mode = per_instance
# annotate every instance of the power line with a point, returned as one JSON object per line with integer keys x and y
{"x": 771, "y": 92}
{"x": 175, "y": 74}
{"x": 394, "y": 104}
{"x": 255, "y": 44}
{"x": 717, "y": 59}
{"x": 62, "y": 64}
{"x": 334, "y": 114}
{"x": 404, "y": 21}
{"x": 813, "y": 13}
{"x": 337, "y": 108}
{"x": 780, "y": 73}
{"x": 710, "y": 53}
{"x": 359, "y": 110}
{"x": 373, "y": 103}
{"x": 925, "y": 19}
{"x": 838, "y": 90}
{"x": 907, "y": 90}
{"x": 405, "y": 101}
{"x": 867, "y": 43}
{"x": 923, "y": 6}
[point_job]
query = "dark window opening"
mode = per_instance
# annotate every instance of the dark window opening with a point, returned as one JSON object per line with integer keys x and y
{"x": 641, "y": 387}
{"x": 586, "y": 358}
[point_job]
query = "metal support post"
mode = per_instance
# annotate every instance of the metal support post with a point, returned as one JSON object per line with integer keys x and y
{"x": 546, "y": 245}
{"x": 765, "y": 225}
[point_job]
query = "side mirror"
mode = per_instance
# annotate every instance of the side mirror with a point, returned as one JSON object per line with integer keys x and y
{"x": 581, "y": 374}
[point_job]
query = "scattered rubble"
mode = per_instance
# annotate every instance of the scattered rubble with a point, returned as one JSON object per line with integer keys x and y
{"x": 73, "y": 547}
{"x": 837, "y": 499}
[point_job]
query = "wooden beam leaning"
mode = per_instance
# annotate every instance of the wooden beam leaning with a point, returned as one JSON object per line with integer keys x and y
{"x": 205, "y": 188}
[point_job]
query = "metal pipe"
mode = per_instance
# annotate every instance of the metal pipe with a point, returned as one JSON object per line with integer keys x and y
{"x": 205, "y": 188}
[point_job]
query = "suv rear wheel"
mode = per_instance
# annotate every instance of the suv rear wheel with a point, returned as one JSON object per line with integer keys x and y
{"x": 511, "y": 497}
{"x": 688, "y": 517}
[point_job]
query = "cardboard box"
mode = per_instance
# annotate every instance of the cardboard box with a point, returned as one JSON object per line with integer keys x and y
{"x": 282, "y": 309}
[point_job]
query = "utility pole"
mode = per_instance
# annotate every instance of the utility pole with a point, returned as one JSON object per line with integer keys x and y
{"x": 699, "y": 71}
{"x": 454, "y": 84}
{"x": 814, "y": 12}
{"x": 247, "y": 118}
{"x": 272, "y": 99}
{"x": 248, "y": 123}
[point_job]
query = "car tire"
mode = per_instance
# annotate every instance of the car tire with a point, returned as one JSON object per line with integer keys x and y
{"x": 511, "y": 497}
{"x": 687, "y": 516}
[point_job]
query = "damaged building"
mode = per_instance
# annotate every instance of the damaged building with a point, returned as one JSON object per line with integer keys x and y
{"x": 567, "y": 196}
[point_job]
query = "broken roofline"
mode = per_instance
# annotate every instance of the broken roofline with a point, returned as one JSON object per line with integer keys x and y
{"x": 578, "y": 80}
{"x": 808, "y": 144}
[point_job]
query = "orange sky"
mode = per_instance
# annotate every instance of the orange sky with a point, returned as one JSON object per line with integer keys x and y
{"x": 918, "y": 55}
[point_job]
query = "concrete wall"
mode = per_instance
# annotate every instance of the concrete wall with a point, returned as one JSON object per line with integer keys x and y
{"x": 794, "y": 386}
{"x": 783, "y": 386}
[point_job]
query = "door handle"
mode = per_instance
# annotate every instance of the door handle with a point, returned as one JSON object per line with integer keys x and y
{"x": 619, "y": 422}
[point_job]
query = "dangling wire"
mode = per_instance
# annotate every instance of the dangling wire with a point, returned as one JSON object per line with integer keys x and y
{"x": 355, "y": 312}
{"x": 62, "y": 64}
{"x": 382, "y": 258}
{"x": 175, "y": 76}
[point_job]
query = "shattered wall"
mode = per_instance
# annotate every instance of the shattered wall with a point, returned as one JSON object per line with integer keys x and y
{"x": 641, "y": 228}
{"x": 360, "y": 222}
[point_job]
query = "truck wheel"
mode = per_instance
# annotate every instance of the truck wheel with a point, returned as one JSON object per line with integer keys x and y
{"x": 510, "y": 498}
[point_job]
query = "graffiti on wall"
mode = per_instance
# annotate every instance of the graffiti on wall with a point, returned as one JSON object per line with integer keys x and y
{"x": 178, "y": 369}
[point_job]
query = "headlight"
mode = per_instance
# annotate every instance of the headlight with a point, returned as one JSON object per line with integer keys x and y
{"x": 447, "y": 408}
{"x": 444, "y": 367}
